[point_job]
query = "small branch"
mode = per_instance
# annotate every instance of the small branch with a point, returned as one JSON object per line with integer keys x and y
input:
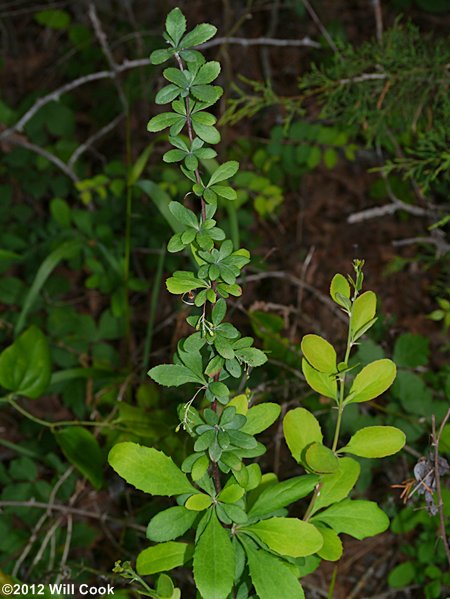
{"x": 261, "y": 41}
{"x": 376, "y": 5}
{"x": 437, "y": 477}
{"x": 24, "y": 143}
{"x": 57, "y": 507}
{"x": 66, "y": 549}
{"x": 312, "y": 13}
{"x": 441, "y": 245}
{"x": 377, "y": 211}
{"x": 94, "y": 138}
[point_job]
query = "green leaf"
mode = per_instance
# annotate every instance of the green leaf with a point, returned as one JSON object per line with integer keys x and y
{"x": 282, "y": 494}
{"x": 214, "y": 561}
{"x": 83, "y": 451}
{"x": 319, "y": 353}
{"x": 252, "y": 356}
{"x": 182, "y": 282}
{"x": 54, "y": 18}
{"x": 207, "y": 93}
{"x": 25, "y": 366}
{"x": 207, "y": 73}
{"x": 301, "y": 429}
{"x": 373, "y": 380}
{"x": 335, "y": 487}
{"x": 364, "y": 310}
{"x": 288, "y": 536}
{"x": 320, "y": 459}
{"x": 231, "y": 494}
{"x": 224, "y": 172}
{"x": 170, "y": 524}
{"x": 402, "y": 575}
{"x": 199, "y": 35}
{"x": 176, "y": 25}
{"x": 272, "y": 577}
{"x": 198, "y": 502}
{"x": 163, "y": 557}
{"x": 331, "y": 549}
{"x": 359, "y": 518}
{"x": 148, "y": 470}
{"x": 173, "y": 375}
{"x": 261, "y": 417}
{"x": 183, "y": 214}
{"x": 340, "y": 287}
{"x": 160, "y": 56}
{"x": 167, "y": 94}
{"x": 411, "y": 350}
{"x": 321, "y": 382}
{"x": 375, "y": 442}
{"x": 162, "y": 121}
{"x": 206, "y": 132}
{"x": 224, "y": 191}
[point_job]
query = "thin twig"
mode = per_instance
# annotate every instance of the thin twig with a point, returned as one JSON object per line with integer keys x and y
{"x": 66, "y": 549}
{"x": 377, "y": 211}
{"x": 376, "y": 5}
{"x": 312, "y": 13}
{"x": 441, "y": 245}
{"x": 57, "y": 507}
{"x": 93, "y": 138}
{"x": 261, "y": 41}
{"x": 437, "y": 478}
{"x": 18, "y": 140}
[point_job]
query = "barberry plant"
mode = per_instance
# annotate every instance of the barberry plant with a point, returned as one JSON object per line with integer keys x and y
{"x": 233, "y": 519}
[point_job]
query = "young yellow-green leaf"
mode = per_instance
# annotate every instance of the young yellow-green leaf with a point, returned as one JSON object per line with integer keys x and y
{"x": 320, "y": 459}
{"x": 364, "y": 310}
{"x": 176, "y": 25}
{"x": 288, "y": 536}
{"x": 231, "y": 494}
{"x": 25, "y": 366}
{"x": 148, "y": 470}
{"x": 163, "y": 557}
{"x": 373, "y": 380}
{"x": 359, "y": 518}
{"x": 182, "y": 282}
{"x": 319, "y": 353}
{"x": 198, "y": 502}
{"x": 375, "y": 442}
{"x": 170, "y": 524}
{"x": 335, "y": 487}
{"x": 301, "y": 429}
{"x": 339, "y": 285}
{"x": 321, "y": 382}
{"x": 214, "y": 561}
{"x": 82, "y": 450}
{"x": 283, "y": 494}
{"x": 240, "y": 402}
{"x": 261, "y": 417}
{"x": 271, "y": 577}
{"x": 331, "y": 549}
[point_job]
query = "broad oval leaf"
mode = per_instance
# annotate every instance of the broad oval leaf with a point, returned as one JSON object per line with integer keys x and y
{"x": 331, "y": 549}
{"x": 282, "y": 494}
{"x": 25, "y": 366}
{"x": 375, "y": 442}
{"x": 301, "y": 429}
{"x": 358, "y": 518}
{"x": 163, "y": 557}
{"x": 170, "y": 524}
{"x": 82, "y": 450}
{"x": 272, "y": 577}
{"x": 198, "y": 502}
{"x": 231, "y": 493}
{"x": 321, "y": 382}
{"x": 148, "y": 470}
{"x": 163, "y": 120}
{"x": 320, "y": 459}
{"x": 319, "y": 353}
{"x": 199, "y": 35}
{"x": 260, "y": 417}
{"x": 340, "y": 287}
{"x": 335, "y": 487}
{"x": 214, "y": 561}
{"x": 288, "y": 536}
{"x": 364, "y": 310}
{"x": 373, "y": 380}
{"x": 176, "y": 25}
